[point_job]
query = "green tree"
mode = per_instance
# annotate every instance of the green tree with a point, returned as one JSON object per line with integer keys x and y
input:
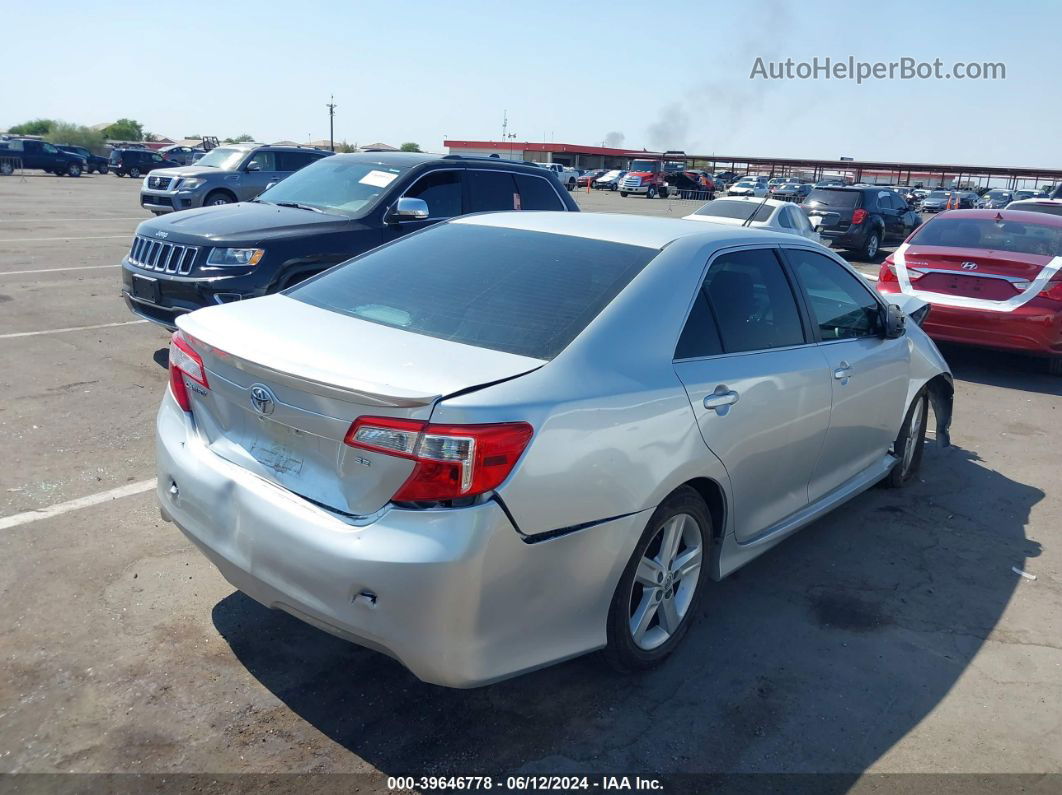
{"x": 63, "y": 132}
{"x": 35, "y": 127}
{"x": 124, "y": 130}
{"x": 240, "y": 139}
{"x": 409, "y": 147}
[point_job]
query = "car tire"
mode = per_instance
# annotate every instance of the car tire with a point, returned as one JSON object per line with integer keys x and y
{"x": 614, "y": 187}
{"x": 623, "y": 193}
{"x": 7, "y": 168}
{"x": 650, "y": 192}
{"x": 911, "y": 442}
{"x": 101, "y": 170}
{"x": 134, "y": 172}
{"x": 652, "y": 609}
{"x": 571, "y": 185}
{"x": 871, "y": 245}
{"x": 118, "y": 173}
{"x": 73, "y": 170}
{"x": 218, "y": 198}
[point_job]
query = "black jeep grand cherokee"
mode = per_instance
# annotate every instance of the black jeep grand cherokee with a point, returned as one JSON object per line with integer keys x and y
{"x": 328, "y": 212}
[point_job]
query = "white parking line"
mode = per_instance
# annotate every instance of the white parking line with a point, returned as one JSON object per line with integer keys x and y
{"x": 127, "y": 490}
{"x": 53, "y": 270}
{"x": 50, "y": 239}
{"x": 71, "y": 328}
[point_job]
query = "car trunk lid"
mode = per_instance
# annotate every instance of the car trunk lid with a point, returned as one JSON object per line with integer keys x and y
{"x": 981, "y": 273}
{"x": 285, "y": 380}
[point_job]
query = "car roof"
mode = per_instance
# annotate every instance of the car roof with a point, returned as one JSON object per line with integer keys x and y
{"x": 632, "y": 230}
{"x": 1044, "y": 219}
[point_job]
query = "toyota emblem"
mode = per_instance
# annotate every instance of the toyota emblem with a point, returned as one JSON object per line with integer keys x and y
{"x": 262, "y": 399}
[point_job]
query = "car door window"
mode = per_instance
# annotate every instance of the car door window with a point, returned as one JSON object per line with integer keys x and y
{"x": 840, "y": 306}
{"x": 293, "y": 161}
{"x": 537, "y": 194}
{"x": 751, "y": 300}
{"x": 442, "y": 192}
{"x": 700, "y": 335}
{"x": 156, "y": 158}
{"x": 492, "y": 190}
{"x": 267, "y": 161}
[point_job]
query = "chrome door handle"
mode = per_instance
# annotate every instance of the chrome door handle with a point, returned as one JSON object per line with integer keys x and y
{"x": 843, "y": 372}
{"x": 721, "y": 400}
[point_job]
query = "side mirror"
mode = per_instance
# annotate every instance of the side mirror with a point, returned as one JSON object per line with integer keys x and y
{"x": 408, "y": 209}
{"x": 894, "y": 321}
{"x": 254, "y": 165}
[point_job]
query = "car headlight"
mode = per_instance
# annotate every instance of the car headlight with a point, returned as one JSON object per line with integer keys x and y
{"x": 190, "y": 184}
{"x": 235, "y": 256}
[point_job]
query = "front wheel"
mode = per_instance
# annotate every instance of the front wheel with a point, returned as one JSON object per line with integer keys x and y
{"x": 218, "y": 198}
{"x": 7, "y": 168}
{"x": 650, "y": 193}
{"x": 623, "y": 193}
{"x": 911, "y": 442}
{"x": 73, "y": 170}
{"x": 658, "y": 595}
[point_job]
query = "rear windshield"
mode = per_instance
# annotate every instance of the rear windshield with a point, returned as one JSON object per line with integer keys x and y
{"x": 511, "y": 290}
{"x": 824, "y": 197}
{"x": 1014, "y": 236}
{"x": 728, "y": 208}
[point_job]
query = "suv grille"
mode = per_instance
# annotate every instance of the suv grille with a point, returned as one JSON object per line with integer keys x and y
{"x": 155, "y": 255}
{"x": 159, "y": 183}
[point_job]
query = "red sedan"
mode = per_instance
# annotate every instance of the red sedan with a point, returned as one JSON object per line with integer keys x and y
{"x": 992, "y": 277}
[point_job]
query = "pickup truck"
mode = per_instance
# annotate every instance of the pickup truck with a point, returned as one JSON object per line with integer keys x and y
{"x": 30, "y": 153}
{"x": 568, "y": 176}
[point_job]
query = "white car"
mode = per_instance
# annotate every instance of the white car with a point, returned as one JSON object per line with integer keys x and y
{"x": 772, "y": 214}
{"x": 749, "y": 186}
{"x": 1050, "y": 206}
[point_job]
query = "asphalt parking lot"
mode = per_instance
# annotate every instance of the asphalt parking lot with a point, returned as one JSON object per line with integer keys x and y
{"x": 891, "y": 636}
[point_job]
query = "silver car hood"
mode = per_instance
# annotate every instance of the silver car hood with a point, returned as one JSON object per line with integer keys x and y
{"x": 318, "y": 346}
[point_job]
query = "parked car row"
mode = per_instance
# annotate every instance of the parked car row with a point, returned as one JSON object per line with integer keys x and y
{"x": 35, "y": 154}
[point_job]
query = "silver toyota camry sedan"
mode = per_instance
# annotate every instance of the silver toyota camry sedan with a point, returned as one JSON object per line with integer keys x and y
{"x": 515, "y": 438}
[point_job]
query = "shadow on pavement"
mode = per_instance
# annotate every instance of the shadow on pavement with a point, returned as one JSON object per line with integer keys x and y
{"x": 817, "y": 657}
{"x": 1002, "y": 369}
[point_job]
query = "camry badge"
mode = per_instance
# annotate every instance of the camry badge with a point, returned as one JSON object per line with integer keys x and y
{"x": 262, "y": 399}
{"x": 969, "y": 266}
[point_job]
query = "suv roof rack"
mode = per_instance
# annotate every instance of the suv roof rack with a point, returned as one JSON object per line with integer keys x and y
{"x": 488, "y": 158}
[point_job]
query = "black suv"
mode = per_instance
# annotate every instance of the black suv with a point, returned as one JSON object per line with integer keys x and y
{"x": 324, "y": 214}
{"x": 135, "y": 162}
{"x": 92, "y": 162}
{"x": 860, "y": 219}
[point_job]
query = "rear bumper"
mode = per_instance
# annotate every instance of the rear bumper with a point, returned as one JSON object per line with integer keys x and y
{"x": 1034, "y": 328}
{"x": 459, "y": 598}
{"x": 852, "y": 237}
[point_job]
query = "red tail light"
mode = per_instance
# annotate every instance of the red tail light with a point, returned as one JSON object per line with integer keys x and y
{"x": 858, "y": 217}
{"x": 452, "y": 461}
{"x": 887, "y": 272}
{"x": 184, "y": 361}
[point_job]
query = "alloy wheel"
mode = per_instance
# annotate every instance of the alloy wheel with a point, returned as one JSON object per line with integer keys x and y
{"x": 665, "y": 582}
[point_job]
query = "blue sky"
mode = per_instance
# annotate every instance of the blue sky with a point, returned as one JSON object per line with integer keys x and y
{"x": 663, "y": 75}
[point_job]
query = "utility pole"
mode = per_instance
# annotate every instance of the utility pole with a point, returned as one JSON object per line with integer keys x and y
{"x": 331, "y": 121}
{"x": 505, "y": 124}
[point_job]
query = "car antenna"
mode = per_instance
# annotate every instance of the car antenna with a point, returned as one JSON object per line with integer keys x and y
{"x": 748, "y": 220}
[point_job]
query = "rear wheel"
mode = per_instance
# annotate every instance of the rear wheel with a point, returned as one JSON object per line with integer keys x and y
{"x": 571, "y": 184}
{"x": 134, "y": 172}
{"x": 101, "y": 170}
{"x": 658, "y": 595}
{"x": 73, "y": 170}
{"x": 911, "y": 442}
{"x": 7, "y": 168}
{"x": 872, "y": 244}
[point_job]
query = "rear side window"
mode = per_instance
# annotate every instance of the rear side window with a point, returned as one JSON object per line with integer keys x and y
{"x": 442, "y": 192}
{"x": 492, "y": 191}
{"x": 825, "y": 197}
{"x": 293, "y": 161}
{"x": 537, "y": 194}
{"x": 752, "y": 302}
{"x": 842, "y": 307}
{"x": 511, "y": 290}
{"x": 700, "y": 337}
